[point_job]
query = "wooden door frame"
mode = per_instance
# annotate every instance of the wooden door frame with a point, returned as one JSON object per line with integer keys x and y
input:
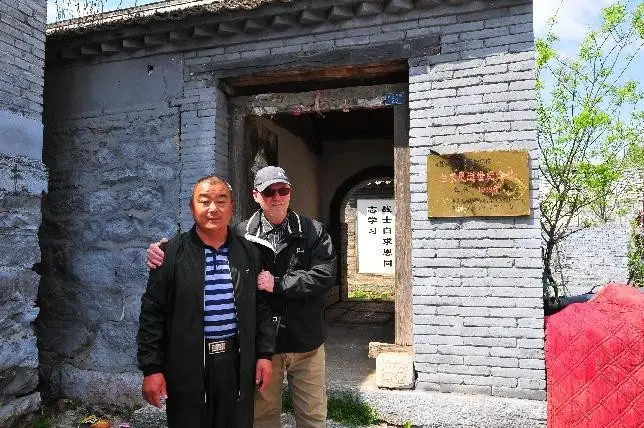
{"x": 241, "y": 108}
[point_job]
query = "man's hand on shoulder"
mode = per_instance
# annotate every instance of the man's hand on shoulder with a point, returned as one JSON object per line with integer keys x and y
{"x": 154, "y": 389}
{"x": 155, "y": 254}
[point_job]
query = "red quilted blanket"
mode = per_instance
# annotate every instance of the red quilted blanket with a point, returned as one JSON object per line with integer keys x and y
{"x": 595, "y": 361}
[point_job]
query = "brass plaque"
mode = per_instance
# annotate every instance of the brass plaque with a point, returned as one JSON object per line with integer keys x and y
{"x": 478, "y": 184}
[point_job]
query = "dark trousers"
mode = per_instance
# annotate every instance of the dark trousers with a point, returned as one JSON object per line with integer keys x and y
{"x": 222, "y": 389}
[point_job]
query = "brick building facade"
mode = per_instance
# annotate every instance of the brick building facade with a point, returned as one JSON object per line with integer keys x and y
{"x": 142, "y": 107}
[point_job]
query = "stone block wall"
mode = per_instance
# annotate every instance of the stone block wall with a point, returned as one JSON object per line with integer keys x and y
{"x": 23, "y": 180}
{"x": 113, "y": 189}
{"x": 477, "y": 282}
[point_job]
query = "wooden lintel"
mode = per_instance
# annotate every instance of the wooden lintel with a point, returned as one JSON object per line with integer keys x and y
{"x": 89, "y": 51}
{"x": 368, "y": 9}
{"x": 130, "y": 44}
{"x": 309, "y": 17}
{"x": 361, "y": 97}
{"x": 282, "y": 22}
{"x": 306, "y": 74}
{"x": 382, "y": 52}
{"x": 203, "y": 31}
{"x": 110, "y": 47}
{"x": 398, "y": 6}
{"x": 254, "y": 25}
{"x": 340, "y": 13}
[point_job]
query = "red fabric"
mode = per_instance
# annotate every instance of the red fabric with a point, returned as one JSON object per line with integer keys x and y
{"x": 595, "y": 361}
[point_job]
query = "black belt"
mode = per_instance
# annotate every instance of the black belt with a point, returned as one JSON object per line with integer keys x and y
{"x": 214, "y": 346}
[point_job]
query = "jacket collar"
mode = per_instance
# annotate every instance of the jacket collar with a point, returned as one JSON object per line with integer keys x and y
{"x": 253, "y": 227}
{"x": 194, "y": 237}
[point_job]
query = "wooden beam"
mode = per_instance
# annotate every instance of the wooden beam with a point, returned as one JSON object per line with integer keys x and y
{"x": 314, "y": 74}
{"x": 238, "y": 174}
{"x": 314, "y": 101}
{"x": 403, "y": 284}
{"x": 388, "y": 51}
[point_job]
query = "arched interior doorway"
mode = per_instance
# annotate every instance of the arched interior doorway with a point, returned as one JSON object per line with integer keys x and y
{"x": 370, "y": 183}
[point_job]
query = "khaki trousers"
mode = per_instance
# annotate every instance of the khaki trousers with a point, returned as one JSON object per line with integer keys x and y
{"x": 307, "y": 385}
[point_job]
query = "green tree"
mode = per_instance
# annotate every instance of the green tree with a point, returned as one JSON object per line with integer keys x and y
{"x": 589, "y": 123}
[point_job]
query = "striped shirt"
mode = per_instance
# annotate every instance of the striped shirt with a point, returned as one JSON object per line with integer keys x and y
{"x": 220, "y": 316}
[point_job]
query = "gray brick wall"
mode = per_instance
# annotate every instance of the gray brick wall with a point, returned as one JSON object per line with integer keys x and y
{"x": 477, "y": 282}
{"x": 22, "y": 43}
{"x": 23, "y": 180}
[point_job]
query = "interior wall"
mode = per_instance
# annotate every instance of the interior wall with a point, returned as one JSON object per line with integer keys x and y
{"x": 343, "y": 159}
{"x": 301, "y": 166}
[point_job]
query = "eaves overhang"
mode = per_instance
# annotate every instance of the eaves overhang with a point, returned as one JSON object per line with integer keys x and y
{"x": 208, "y": 22}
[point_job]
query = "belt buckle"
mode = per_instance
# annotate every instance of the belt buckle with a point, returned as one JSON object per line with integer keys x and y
{"x": 216, "y": 347}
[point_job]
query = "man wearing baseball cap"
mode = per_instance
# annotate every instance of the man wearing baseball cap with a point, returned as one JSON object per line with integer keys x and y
{"x": 304, "y": 269}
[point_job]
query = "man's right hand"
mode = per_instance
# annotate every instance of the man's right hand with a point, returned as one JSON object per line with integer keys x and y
{"x": 154, "y": 389}
{"x": 155, "y": 254}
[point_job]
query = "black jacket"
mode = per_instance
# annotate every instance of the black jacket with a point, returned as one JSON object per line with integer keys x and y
{"x": 305, "y": 269}
{"x": 170, "y": 338}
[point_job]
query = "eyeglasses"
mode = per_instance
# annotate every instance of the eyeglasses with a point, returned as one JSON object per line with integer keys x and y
{"x": 269, "y": 193}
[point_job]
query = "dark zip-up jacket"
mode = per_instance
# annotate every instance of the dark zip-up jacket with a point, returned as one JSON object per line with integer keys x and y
{"x": 305, "y": 269}
{"x": 171, "y": 333}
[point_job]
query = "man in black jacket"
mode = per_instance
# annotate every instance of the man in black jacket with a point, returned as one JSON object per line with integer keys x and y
{"x": 303, "y": 269}
{"x": 205, "y": 337}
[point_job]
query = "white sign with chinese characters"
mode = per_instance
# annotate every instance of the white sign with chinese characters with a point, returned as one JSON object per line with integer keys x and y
{"x": 376, "y": 243}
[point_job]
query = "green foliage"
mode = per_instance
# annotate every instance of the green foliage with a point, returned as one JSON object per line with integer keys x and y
{"x": 345, "y": 408}
{"x": 407, "y": 424}
{"x": 369, "y": 295}
{"x": 636, "y": 251}
{"x": 589, "y": 123}
{"x": 349, "y": 409}
{"x": 43, "y": 422}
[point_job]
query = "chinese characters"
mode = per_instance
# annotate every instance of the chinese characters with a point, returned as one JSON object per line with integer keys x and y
{"x": 375, "y": 229}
